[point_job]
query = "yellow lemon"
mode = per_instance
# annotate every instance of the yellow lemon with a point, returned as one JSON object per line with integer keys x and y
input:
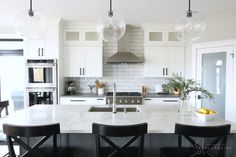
{"x": 204, "y": 111}
{"x": 212, "y": 112}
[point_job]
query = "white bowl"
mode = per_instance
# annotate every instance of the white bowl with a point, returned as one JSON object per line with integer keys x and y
{"x": 206, "y": 117}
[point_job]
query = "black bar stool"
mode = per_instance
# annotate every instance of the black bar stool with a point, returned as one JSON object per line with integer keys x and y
{"x": 14, "y": 132}
{"x": 3, "y": 106}
{"x": 134, "y": 132}
{"x": 212, "y": 134}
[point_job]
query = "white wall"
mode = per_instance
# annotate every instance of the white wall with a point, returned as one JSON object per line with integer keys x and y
{"x": 218, "y": 27}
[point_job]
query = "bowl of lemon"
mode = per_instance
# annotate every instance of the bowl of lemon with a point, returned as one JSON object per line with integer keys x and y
{"x": 206, "y": 114}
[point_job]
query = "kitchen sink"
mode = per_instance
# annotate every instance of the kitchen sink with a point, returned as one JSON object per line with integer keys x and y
{"x": 118, "y": 109}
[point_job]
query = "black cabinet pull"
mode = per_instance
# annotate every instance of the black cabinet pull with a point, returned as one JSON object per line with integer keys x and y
{"x": 79, "y": 71}
{"x": 100, "y": 99}
{"x": 83, "y": 71}
{"x": 38, "y": 51}
{"x": 170, "y": 100}
{"x": 147, "y": 99}
{"x": 42, "y": 51}
{"x": 77, "y": 100}
{"x": 166, "y": 71}
{"x": 163, "y": 71}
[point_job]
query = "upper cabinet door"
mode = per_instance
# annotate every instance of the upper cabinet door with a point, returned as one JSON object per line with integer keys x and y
{"x": 72, "y": 37}
{"x": 176, "y": 61}
{"x": 73, "y": 57}
{"x": 155, "y": 62}
{"x": 52, "y": 40}
{"x": 46, "y": 48}
{"x": 91, "y": 38}
{"x": 34, "y": 49}
{"x": 93, "y": 61}
{"x": 154, "y": 37}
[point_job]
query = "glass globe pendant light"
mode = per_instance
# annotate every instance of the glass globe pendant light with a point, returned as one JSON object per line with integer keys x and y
{"x": 112, "y": 27}
{"x": 30, "y": 24}
{"x": 190, "y": 26}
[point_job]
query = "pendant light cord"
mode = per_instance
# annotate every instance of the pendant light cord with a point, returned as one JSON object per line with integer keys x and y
{"x": 189, "y": 12}
{"x": 31, "y": 12}
{"x": 110, "y": 13}
{"x": 189, "y": 5}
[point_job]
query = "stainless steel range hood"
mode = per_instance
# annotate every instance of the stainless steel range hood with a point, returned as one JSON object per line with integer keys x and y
{"x": 124, "y": 54}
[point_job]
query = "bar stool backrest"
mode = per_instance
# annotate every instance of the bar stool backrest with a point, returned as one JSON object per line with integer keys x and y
{"x": 15, "y": 132}
{"x": 4, "y": 105}
{"x": 106, "y": 131}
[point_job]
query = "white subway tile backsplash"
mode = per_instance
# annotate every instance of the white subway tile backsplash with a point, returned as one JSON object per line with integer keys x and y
{"x": 128, "y": 78}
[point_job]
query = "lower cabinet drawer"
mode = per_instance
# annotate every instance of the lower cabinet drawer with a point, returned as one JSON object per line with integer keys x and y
{"x": 82, "y": 101}
{"x": 160, "y": 101}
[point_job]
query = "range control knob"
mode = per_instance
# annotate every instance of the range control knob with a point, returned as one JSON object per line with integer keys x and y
{"x": 132, "y": 101}
{"x": 138, "y": 101}
{"x": 126, "y": 101}
{"x": 120, "y": 101}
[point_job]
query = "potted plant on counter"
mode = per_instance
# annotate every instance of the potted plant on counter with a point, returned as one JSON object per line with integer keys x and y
{"x": 183, "y": 87}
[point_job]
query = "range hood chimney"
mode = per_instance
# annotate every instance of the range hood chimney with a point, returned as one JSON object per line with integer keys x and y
{"x": 124, "y": 55}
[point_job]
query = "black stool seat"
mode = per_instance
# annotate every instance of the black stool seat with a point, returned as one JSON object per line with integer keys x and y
{"x": 212, "y": 135}
{"x": 107, "y": 132}
{"x": 15, "y": 132}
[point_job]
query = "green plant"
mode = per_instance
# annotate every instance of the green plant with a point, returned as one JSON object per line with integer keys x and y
{"x": 184, "y": 87}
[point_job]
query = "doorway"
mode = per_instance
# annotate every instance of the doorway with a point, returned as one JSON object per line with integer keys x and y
{"x": 215, "y": 73}
{"x": 12, "y": 78}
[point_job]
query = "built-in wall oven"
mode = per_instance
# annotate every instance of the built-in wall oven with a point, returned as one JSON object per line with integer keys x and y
{"x": 41, "y": 82}
{"x": 41, "y": 73}
{"x": 39, "y": 96}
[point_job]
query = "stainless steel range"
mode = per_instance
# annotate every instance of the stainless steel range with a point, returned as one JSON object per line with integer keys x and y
{"x": 123, "y": 98}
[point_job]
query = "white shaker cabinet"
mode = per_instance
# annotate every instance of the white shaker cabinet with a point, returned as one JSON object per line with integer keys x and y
{"x": 45, "y": 48}
{"x": 164, "y": 61}
{"x": 154, "y": 63}
{"x": 82, "y": 61}
{"x": 93, "y": 61}
{"x": 73, "y": 61}
{"x": 176, "y": 61}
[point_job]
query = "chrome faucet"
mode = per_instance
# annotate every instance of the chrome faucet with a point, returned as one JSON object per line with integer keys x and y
{"x": 114, "y": 99}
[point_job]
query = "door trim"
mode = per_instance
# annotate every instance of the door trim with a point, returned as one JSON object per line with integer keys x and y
{"x": 229, "y": 70}
{"x": 230, "y": 94}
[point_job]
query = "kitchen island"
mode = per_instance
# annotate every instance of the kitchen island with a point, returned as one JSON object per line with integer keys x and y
{"x": 76, "y": 124}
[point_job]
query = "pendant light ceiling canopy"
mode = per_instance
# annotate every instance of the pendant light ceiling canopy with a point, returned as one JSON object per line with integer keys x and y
{"x": 30, "y": 24}
{"x": 190, "y": 26}
{"x": 112, "y": 27}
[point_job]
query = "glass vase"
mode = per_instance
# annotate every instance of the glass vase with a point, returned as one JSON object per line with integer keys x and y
{"x": 185, "y": 108}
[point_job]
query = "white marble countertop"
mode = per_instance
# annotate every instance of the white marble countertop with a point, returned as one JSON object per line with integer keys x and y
{"x": 77, "y": 119}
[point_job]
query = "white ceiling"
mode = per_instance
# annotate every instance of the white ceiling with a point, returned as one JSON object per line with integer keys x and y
{"x": 134, "y": 11}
